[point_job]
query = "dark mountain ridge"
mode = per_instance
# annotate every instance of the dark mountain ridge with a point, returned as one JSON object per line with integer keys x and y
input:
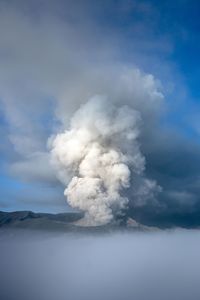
{"x": 61, "y": 222}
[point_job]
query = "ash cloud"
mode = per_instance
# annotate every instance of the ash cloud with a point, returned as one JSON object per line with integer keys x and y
{"x": 99, "y": 154}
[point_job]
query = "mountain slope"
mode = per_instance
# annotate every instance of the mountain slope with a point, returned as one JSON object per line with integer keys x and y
{"x": 60, "y": 222}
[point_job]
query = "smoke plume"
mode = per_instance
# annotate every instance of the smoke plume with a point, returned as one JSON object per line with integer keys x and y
{"x": 97, "y": 157}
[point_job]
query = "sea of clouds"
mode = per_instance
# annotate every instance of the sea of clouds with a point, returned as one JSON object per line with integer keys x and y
{"x": 158, "y": 265}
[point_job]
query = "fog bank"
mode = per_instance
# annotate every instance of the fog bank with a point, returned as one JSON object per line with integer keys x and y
{"x": 160, "y": 265}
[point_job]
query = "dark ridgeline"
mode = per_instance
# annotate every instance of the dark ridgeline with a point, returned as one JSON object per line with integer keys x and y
{"x": 31, "y": 220}
{"x": 62, "y": 222}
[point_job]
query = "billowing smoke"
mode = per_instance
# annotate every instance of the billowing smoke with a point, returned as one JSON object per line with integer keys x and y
{"x": 97, "y": 157}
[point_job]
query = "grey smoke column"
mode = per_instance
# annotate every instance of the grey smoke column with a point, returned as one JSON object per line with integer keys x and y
{"x": 96, "y": 158}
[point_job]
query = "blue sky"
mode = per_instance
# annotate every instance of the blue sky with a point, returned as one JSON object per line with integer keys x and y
{"x": 53, "y": 51}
